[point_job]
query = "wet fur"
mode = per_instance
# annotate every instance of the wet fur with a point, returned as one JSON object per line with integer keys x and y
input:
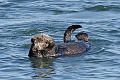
{"x": 69, "y": 31}
{"x": 44, "y": 46}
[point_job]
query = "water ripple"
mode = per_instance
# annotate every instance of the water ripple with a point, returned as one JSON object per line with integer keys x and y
{"x": 102, "y": 8}
{"x": 23, "y": 19}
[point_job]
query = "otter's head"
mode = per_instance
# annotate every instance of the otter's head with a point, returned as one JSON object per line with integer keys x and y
{"x": 82, "y": 36}
{"x": 42, "y": 42}
{"x": 41, "y": 46}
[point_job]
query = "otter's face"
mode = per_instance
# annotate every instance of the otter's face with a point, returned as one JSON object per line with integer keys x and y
{"x": 39, "y": 43}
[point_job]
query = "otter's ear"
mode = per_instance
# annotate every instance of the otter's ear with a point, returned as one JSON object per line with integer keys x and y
{"x": 32, "y": 40}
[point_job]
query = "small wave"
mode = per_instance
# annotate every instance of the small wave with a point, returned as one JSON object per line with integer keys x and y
{"x": 7, "y": 5}
{"x": 113, "y": 31}
{"x": 98, "y": 51}
{"x": 101, "y": 8}
{"x": 58, "y": 11}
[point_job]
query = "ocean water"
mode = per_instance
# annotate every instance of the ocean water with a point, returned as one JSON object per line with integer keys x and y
{"x": 20, "y": 20}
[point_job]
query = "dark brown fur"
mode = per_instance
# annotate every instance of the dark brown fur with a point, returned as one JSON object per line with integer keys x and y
{"x": 44, "y": 46}
{"x": 82, "y": 36}
{"x": 69, "y": 31}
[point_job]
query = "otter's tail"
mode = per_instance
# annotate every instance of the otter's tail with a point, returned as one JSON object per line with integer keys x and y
{"x": 69, "y": 31}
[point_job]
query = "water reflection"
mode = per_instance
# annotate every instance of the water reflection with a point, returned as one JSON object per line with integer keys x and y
{"x": 42, "y": 67}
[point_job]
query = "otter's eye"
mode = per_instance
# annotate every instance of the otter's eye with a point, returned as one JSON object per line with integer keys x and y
{"x": 43, "y": 45}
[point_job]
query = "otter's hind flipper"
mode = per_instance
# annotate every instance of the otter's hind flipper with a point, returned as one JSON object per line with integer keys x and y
{"x": 69, "y": 31}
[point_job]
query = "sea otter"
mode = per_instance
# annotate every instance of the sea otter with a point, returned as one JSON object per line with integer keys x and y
{"x": 43, "y": 46}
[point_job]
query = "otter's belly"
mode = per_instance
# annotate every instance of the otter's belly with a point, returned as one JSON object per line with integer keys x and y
{"x": 71, "y": 48}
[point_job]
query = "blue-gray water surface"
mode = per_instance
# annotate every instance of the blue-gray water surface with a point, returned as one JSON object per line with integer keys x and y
{"x": 20, "y": 20}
